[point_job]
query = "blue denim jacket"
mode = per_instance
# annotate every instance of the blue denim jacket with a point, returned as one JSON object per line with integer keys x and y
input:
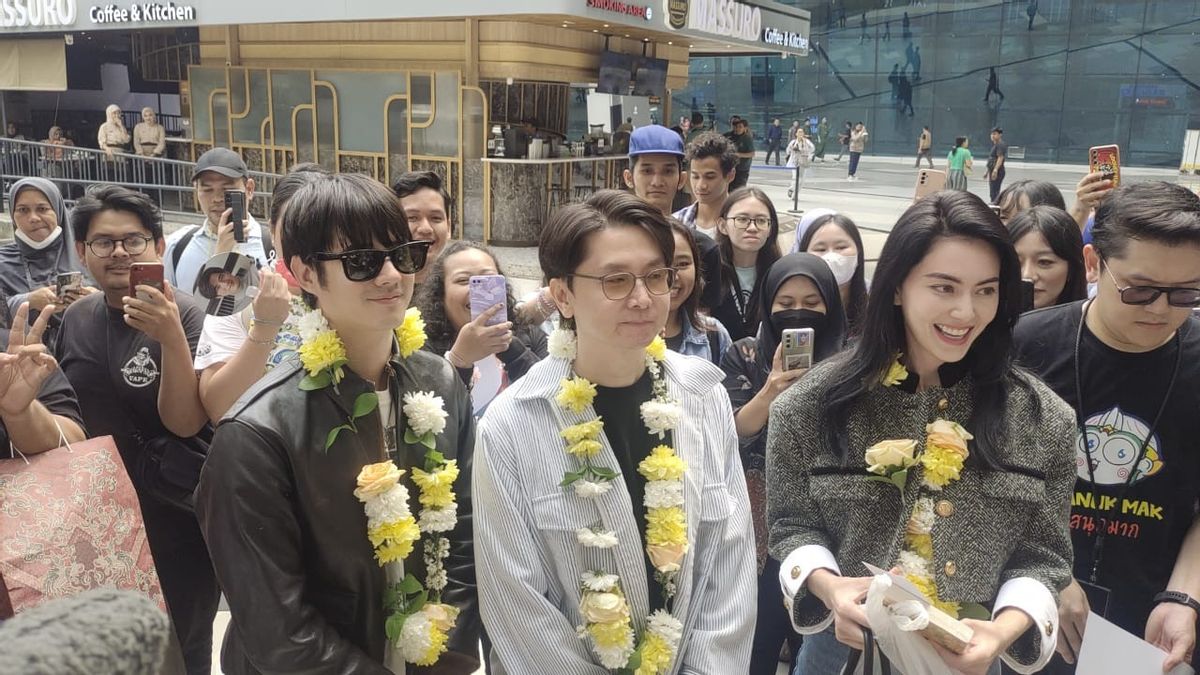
{"x": 695, "y": 342}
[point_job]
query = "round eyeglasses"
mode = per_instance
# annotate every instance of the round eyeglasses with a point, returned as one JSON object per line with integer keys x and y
{"x": 134, "y": 244}
{"x": 620, "y": 285}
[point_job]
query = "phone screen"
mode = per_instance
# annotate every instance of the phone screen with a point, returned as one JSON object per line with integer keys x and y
{"x": 67, "y": 281}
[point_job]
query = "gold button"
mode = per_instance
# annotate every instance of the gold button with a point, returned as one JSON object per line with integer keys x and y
{"x": 1049, "y": 629}
{"x": 943, "y": 405}
{"x": 944, "y": 508}
{"x": 951, "y": 568}
{"x": 796, "y": 572}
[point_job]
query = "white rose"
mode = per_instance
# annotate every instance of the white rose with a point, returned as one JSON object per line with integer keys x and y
{"x": 892, "y": 454}
{"x": 426, "y": 413}
{"x": 603, "y": 608}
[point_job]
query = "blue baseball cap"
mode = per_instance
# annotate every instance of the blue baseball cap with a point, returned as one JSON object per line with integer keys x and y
{"x": 655, "y": 139}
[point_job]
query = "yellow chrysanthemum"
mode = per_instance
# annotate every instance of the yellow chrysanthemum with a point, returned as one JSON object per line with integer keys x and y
{"x": 896, "y": 374}
{"x": 665, "y": 527}
{"x": 662, "y": 464}
{"x": 609, "y": 635}
{"x": 395, "y": 531}
{"x": 437, "y": 496}
{"x": 583, "y": 431}
{"x": 576, "y": 394}
{"x": 951, "y": 608}
{"x": 657, "y": 349}
{"x": 656, "y": 656}
{"x": 437, "y": 645}
{"x": 411, "y": 333}
{"x": 941, "y": 466}
{"x": 928, "y": 588}
{"x": 394, "y": 550}
{"x": 585, "y": 449}
{"x": 444, "y": 476}
{"x": 921, "y": 544}
{"x": 322, "y": 352}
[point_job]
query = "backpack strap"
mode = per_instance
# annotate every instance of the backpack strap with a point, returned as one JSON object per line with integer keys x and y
{"x": 268, "y": 244}
{"x": 714, "y": 345}
{"x": 180, "y": 246}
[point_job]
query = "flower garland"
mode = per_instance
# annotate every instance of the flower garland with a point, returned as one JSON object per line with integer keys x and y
{"x": 417, "y": 621}
{"x": 603, "y": 606}
{"x": 942, "y": 460}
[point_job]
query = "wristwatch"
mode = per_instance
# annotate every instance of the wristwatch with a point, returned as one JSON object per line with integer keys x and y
{"x": 1178, "y": 598}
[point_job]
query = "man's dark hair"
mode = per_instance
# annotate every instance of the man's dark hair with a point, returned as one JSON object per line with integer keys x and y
{"x": 107, "y": 197}
{"x": 414, "y": 181}
{"x": 1038, "y": 192}
{"x": 712, "y": 144}
{"x": 348, "y": 211}
{"x": 997, "y": 130}
{"x": 562, "y": 245}
{"x": 302, "y": 174}
{"x": 1156, "y": 211}
{"x": 697, "y": 119}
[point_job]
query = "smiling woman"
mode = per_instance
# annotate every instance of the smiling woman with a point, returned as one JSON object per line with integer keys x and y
{"x": 983, "y": 440}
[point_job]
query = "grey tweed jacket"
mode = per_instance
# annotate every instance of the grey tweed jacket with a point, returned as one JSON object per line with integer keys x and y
{"x": 992, "y": 526}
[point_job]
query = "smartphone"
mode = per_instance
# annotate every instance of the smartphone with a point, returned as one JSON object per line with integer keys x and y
{"x": 67, "y": 281}
{"x": 1026, "y": 295}
{"x": 487, "y": 290}
{"x": 929, "y": 181}
{"x": 145, "y": 274}
{"x": 797, "y": 348}
{"x": 236, "y": 200}
{"x": 1107, "y": 160}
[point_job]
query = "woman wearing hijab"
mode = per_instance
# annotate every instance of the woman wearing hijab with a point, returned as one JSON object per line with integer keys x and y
{"x": 112, "y": 136}
{"x": 42, "y": 249}
{"x": 799, "y": 291}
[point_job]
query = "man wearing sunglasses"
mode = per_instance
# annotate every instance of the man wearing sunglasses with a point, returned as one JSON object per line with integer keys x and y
{"x": 277, "y": 499}
{"x": 1128, "y": 361}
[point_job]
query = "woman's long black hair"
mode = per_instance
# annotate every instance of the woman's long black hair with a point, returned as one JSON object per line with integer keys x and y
{"x": 431, "y": 298}
{"x": 1061, "y": 231}
{"x": 949, "y": 213}
{"x": 857, "y": 302}
{"x": 767, "y": 255}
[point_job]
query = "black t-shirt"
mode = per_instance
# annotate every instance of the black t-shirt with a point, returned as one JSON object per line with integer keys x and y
{"x": 620, "y": 409}
{"x": 675, "y": 342}
{"x": 743, "y": 143}
{"x": 1122, "y": 393}
{"x": 1000, "y": 149}
{"x": 116, "y": 370}
{"x": 56, "y": 395}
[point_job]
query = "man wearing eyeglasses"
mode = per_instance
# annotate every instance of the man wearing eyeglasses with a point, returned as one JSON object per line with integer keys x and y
{"x": 296, "y": 527}
{"x": 1128, "y": 361}
{"x": 129, "y": 360}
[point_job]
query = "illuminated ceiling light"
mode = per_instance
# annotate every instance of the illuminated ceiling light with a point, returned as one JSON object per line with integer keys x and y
{"x": 669, "y": 42}
{"x": 568, "y": 21}
{"x": 595, "y": 30}
{"x": 627, "y": 35}
{"x": 606, "y": 25}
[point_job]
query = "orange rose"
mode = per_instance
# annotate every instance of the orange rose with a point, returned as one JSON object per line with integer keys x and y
{"x": 666, "y": 558}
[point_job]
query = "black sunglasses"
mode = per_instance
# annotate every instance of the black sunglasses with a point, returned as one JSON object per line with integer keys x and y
{"x": 365, "y": 264}
{"x": 1147, "y": 295}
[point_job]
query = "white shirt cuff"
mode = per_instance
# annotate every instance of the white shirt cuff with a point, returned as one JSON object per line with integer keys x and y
{"x": 1032, "y": 597}
{"x": 794, "y": 573}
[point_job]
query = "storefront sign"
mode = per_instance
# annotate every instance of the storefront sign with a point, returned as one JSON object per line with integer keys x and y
{"x": 618, "y": 7}
{"x": 151, "y": 12}
{"x": 677, "y": 13}
{"x": 727, "y": 18}
{"x": 785, "y": 38}
{"x": 36, "y": 13}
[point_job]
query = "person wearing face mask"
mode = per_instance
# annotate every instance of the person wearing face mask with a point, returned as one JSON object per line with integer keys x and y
{"x": 41, "y": 250}
{"x": 267, "y": 332}
{"x": 836, "y": 239}
{"x": 799, "y": 292}
{"x": 1051, "y": 253}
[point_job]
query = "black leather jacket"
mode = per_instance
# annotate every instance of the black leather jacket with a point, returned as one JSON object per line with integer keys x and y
{"x": 289, "y": 540}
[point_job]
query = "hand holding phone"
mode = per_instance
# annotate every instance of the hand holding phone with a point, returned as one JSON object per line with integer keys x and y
{"x": 486, "y": 291}
{"x": 929, "y": 181}
{"x": 1106, "y": 159}
{"x": 145, "y": 274}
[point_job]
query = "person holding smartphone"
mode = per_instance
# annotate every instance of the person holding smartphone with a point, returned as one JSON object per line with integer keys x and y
{"x": 982, "y": 514}
{"x": 1051, "y": 254}
{"x": 129, "y": 358}
{"x": 799, "y": 292}
{"x": 470, "y": 343}
{"x": 40, "y": 255}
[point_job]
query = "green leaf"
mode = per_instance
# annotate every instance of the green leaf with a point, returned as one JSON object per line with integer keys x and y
{"x": 410, "y": 585}
{"x": 883, "y": 479}
{"x": 410, "y": 437}
{"x": 435, "y": 458}
{"x": 333, "y": 434}
{"x": 572, "y": 476}
{"x": 428, "y": 440}
{"x": 313, "y": 383}
{"x": 973, "y": 610}
{"x": 604, "y": 473}
{"x": 365, "y": 403}
{"x": 393, "y": 626}
{"x": 900, "y": 479}
{"x": 392, "y": 597}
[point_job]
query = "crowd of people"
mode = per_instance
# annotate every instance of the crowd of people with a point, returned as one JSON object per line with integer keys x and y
{"x": 630, "y": 469}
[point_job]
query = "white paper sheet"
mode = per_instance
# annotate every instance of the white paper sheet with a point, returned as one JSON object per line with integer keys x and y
{"x": 1109, "y": 650}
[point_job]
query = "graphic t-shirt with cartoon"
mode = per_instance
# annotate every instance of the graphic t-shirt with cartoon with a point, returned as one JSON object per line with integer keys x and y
{"x": 1122, "y": 392}
{"x": 116, "y": 370}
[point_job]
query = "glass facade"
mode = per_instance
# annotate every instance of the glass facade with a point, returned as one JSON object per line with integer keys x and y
{"x": 1069, "y": 74}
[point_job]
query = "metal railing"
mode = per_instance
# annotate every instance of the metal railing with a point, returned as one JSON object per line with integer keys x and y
{"x": 73, "y": 170}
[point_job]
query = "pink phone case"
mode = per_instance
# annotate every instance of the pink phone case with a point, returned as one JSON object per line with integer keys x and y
{"x": 488, "y": 290}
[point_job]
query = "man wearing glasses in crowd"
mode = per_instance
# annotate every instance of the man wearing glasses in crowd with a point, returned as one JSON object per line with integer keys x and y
{"x": 1128, "y": 361}
{"x": 129, "y": 360}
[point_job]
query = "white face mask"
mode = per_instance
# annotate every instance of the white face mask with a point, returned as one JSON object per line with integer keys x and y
{"x": 843, "y": 266}
{"x": 38, "y": 245}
